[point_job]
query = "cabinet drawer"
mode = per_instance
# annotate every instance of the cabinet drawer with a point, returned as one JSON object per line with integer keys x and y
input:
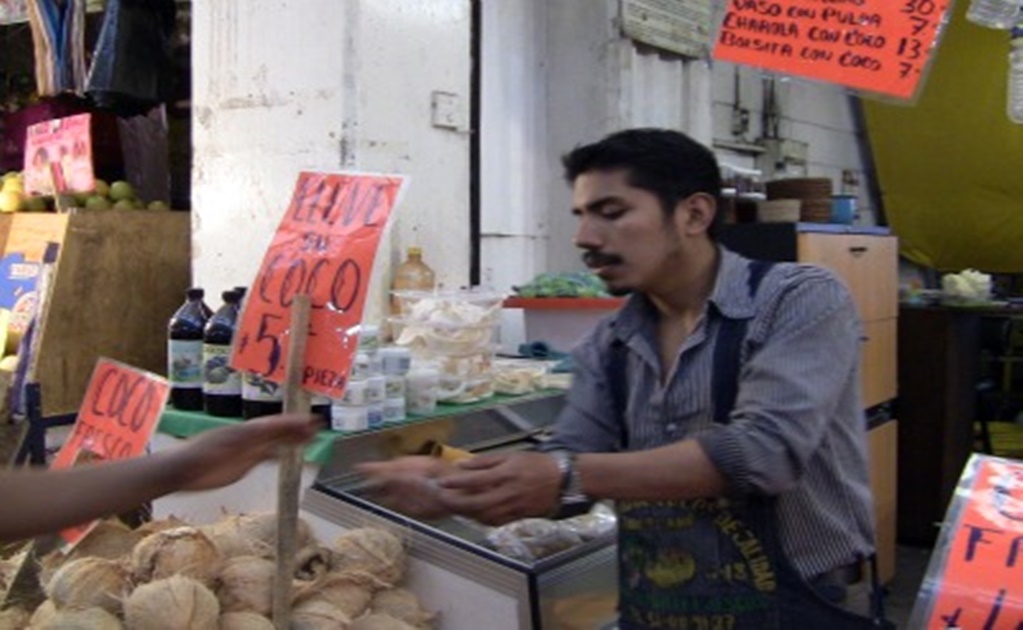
{"x": 878, "y": 362}
{"x": 867, "y": 263}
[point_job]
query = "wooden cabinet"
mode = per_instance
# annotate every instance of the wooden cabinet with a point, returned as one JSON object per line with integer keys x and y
{"x": 867, "y": 262}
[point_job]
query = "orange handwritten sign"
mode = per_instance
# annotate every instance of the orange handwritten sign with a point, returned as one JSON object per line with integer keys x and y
{"x": 323, "y": 248}
{"x": 119, "y": 413}
{"x": 977, "y": 582}
{"x": 59, "y": 151}
{"x": 880, "y": 46}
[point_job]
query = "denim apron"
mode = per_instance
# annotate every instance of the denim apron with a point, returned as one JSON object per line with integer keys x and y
{"x": 713, "y": 564}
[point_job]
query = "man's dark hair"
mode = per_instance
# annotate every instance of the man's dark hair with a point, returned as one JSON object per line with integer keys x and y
{"x": 666, "y": 163}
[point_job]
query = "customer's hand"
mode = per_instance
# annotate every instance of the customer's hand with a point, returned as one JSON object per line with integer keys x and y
{"x": 408, "y": 485}
{"x": 223, "y": 455}
{"x": 497, "y": 489}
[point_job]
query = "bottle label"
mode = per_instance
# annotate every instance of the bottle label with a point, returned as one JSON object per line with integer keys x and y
{"x": 256, "y": 389}
{"x": 219, "y": 378}
{"x": 184, "y": 364}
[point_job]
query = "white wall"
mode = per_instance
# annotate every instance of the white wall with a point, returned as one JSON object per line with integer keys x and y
{"x": 282, "y": 86}
{"x": 817, "y": 113}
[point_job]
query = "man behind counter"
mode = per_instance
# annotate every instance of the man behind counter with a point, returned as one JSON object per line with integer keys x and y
{"x": 719, "y": 409}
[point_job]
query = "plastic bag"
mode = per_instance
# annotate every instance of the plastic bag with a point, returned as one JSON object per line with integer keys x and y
{"x": 132, "y": 68}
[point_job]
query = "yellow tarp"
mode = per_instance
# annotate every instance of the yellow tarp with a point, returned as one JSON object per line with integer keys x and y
{"x": 950, "y": 167}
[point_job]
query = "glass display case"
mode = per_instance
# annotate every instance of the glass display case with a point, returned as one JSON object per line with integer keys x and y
{"x": 572, "y": 588}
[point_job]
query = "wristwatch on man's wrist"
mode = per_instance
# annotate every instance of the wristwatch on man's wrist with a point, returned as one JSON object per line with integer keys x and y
{"x": 571, "y": 490}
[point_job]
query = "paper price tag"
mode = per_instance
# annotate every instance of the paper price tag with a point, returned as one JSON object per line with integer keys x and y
{"x": 323, "y": 248}
{"x": 119, "y": 413}
{"x": 59, "y": 152}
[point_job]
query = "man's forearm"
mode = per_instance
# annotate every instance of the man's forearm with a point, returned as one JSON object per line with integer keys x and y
{"x": 673, "y": 472}
{"x": 38, "y": 501}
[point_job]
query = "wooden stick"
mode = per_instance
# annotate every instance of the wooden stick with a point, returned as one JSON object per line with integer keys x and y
{"x": 296, "y": 400}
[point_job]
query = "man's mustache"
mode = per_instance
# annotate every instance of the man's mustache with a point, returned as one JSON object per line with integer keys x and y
{"x": 594, "y": 259}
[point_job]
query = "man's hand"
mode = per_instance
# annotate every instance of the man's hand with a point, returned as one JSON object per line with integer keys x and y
{"x": 222, "y": 456}
{"x": 497, "y": 489}
{"x": 408, "y": 485}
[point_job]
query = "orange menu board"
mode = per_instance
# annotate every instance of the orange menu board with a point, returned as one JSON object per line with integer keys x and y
{"x": 59, "y": 152}
{"x": 323, "y": 248}
{"x": 880, "y": 46}
{"x": 974, "y": 580}
{"x": 119, "y": 413}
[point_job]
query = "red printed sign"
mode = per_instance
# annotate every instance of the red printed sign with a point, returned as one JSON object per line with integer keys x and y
{"x": 880, "y": 46}
{"x": 119, "y": 413}
{"x": 59, "y": 150}
{"x": 323, "y": 248}
{"x": 978, "y": 583}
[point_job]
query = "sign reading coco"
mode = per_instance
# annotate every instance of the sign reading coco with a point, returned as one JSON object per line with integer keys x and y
{"x": 323, "y": 248}
{"x": 119, "y": 413}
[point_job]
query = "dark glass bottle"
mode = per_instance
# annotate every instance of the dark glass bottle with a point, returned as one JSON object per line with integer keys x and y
{"x": 221, "y": 386}
{"x": 184, "y": 351}
{"x": 260, "y": 397}
{"x": 319, "y": 405}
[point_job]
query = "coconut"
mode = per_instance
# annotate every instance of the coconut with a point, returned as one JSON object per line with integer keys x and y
{"x": 171, "y": 604}
{"x": 379, "y": 621}
{"x": 318, "y": 614}
{"x": 351, "y": 593}
{"x": 42, "y": 614}
{"x": 371, "y": 550}
{"x": 244, "y": 621}
{"x": 312, "y": 562}
{"x": 246, "y": 583}
{"x": 402, "y": 604}
{"x": 89, "y": 582}
{"x": 14, "y": 618}
{"x": 252, "y": 535}
{"x": 81, "y": 619}
{"x": 171, "y": 522}
{"x": 110, "y": 539}
{"x": 180, "y": 551}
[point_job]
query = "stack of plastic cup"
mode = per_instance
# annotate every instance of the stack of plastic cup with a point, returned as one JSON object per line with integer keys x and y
{"x": 422, "y": 387}
{"x": 395, "y": 362}
{"x": 362, "y": 406}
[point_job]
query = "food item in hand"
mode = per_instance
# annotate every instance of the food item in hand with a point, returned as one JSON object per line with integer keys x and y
{"x": 81, "y": 619}
{"x": 402, "y": 604}
{"x": 90, "y": 582}
{"x": 246, "y": 584}
{"x": 244, "y": 621}
{"x": 171, "y": 604}
{"x": 370, "y": 550}
{"x": 378, "y": 621}
{"x": 183, "y": 551}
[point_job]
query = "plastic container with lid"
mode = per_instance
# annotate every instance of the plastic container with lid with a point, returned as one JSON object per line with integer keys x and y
{"x": 997, "y": 14}
{"x": 1014, "y": 104}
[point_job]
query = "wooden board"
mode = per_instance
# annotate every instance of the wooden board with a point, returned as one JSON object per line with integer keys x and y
{"x": 119, "y": 278}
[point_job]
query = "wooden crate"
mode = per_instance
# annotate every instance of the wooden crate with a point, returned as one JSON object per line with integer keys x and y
{"x": 119, "y": 277}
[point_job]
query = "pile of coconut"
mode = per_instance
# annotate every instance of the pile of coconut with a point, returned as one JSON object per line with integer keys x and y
{"x": 168, "y": 575}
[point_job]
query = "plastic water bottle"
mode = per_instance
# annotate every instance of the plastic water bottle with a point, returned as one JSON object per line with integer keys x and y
{"x": 1000, "y": 14}
{"x": 1015, "y": 96}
